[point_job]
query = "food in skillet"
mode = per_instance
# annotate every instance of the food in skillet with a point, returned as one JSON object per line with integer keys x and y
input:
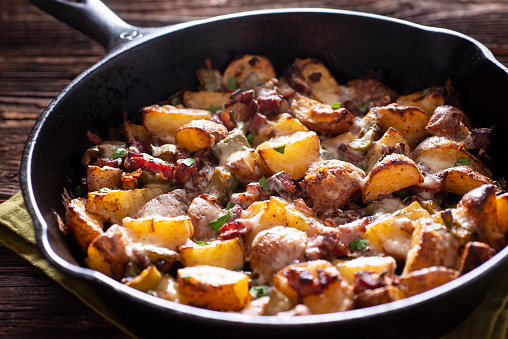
{"x": 290, "y": 196}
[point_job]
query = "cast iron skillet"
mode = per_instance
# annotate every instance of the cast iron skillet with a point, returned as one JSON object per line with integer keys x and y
{"x": 146, "y": 65}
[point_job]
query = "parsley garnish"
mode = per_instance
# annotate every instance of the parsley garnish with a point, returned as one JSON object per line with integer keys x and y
{"x": 119, "y": 152}
{"x": 364, "y": 168}
{"x": 263, "y": 184}
{"x": 363, "y": 109}
{"x": 359, "y": 244}
{"x": 259, "y": 291}
{"x": 217, "y": 223}
{"x": 78, "y": 191}
{"x": 214, "y": 109}
{"x": 280, "y": 149}
{"x": 462, "y": 161}
{"x": 231, "y": 83}
{"x": 381, "y": 158}
{"x": 342, "y": 158}
{"x": 425, "y": 91}
{"x": 230, "y": 206}
{"x": 202, "y": 243}
{"x": 189, "y": 161}
{"x": 250, "y": 137}
{"x": 105, "y": 190}
{"x": 336, "y": 105}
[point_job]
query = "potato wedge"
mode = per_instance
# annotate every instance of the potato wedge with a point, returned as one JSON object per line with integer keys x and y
{"x": 390, "y": 174}
{"x": 159, "y": 231}
{"x": 437, "y": 153}
{"x": 200, "y": 134}
{"x": 450, "y": 122}
{"x": 391, "y": 142}
{"x": 163, "y": 121}
{"x": 115, "y": 205}
{"x": 410, "y": 121}
{"x": 475, "y": 253}
{"x": 462, "y": 179}
{"x": 290, "y": 153}
{"x": 205, "y": 99}
{"x": 321, "y": 117}
{"x": 378, "y": 264}
{"x": 214, "y": 288}
{"x": 330, "y": 184}
{"x": 427, "y": 100}
{"x": 103, "y": 177}
{"x": 248, "y": 69}
{"x": 324, "y": 294}
{"x": 132, "y": 131}
{"x": 107, "y": 253}
{"x": 227, "y": 254}
{"x": 431, "y": 245}
{"x": 393, "y": 234}
{"x": 147, "y": 280}
{"x": 325, "y": 88}
{"x": 426, "y": 279}
{"x": 502, "y": 213}
{"x": 81, "y": 224}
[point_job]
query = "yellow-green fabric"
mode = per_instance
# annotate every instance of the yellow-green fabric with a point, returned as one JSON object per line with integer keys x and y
{"x": 489, "y": 320}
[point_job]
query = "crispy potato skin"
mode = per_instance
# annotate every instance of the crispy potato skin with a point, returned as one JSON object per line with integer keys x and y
{"x": 426, "y": 279}
{"x": 427, "y": 100}
{"x": 330, "y": 184}
{"x": 448, "y": 121}
{"x": 81, "y": 224}
{"x": 242, "y": 67}
{"x": 200, "y": 134}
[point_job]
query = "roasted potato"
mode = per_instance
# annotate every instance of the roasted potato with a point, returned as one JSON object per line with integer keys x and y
{"x": 325, "y": 88}
{"x": 290, "y": 153}
{"x": 426, "y": 279}
{"x": 378, "y": 296}
{"x": 214, "y": 288}
{"x": 200, "y": 134}
{"x": 205, "y": 99}
{"x": 321, "y": 117}
{"x": 163, "y": 121}
{"x": 103, "y": 177}
{"x": 462, "y": 179}
{"x": 502, "y": 213}
{"x": 247, "y": 71}
{"x": 147, "y": 280}
{"x": 390, "y": 174}
{"x": 223, "y": 253}
{"x": 450, "y": 122}
{"x": 475, "y": 253}
{"x": 379, "y": 264}
{"x": 391, "y": 142}
{"x": 427, "y": 100}
{"x": 81, "y": 224}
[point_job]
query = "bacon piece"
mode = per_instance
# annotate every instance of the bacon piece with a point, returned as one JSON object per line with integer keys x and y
{"x": 269, "y": 104}
{"x": 153, "y": 165}
{"x": 365, "y": 280}
{"x": 327, "y": 243}
{"x": 282, "y": 184}
{"x": 297, "y": 80}
{"x": 306, "y": 284}
{"x": 234, "y": 229}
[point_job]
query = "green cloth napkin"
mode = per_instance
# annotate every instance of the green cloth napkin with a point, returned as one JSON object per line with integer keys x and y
{"x": 489, "y": 320}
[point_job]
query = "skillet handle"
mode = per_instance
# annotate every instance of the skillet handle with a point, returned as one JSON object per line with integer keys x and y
{"x": 94, "y": 19}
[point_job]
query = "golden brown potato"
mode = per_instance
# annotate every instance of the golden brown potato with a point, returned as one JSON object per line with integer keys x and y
{"x": 392, "y": 235}
{"x": 163, "y": 121}
{"x": 103, "y": 177}
{"x": 290, "y": 153}
{"x": 275, "y": 248}
{"x": 428, "y": 99}
{"x": 462, "y": 179}
{"x": 227, "y": 254}
{"x": 378, "y": 264}
{"x": 324, "y": 290}
{"x": 169, "y": 233}
{"x": 81, "y": 224}
{"x": 390, "y": 174}
{"x": 107, "y": 253}
{"x": 426, "y": 279}
{"x": 321, "y": 117}
{"x": 438, "y": 153}
{"x": 214, "y": 288}
{"x": 477, "y": 212}
{"x": 147, "y": 280}
{"x": 247, "y": 72}
{"x": 132, "y": 131}
{"x": 475, "y": 253}
{"x": 114, "y": 205}
{"x": 431, "y": 245}
{"x": 330, "y": 184}
{"x": 282, "y": 124}
{"x": 391, "y": 142}
{"x": 200, "y": 134}
{"x": 325, "y": 88}
{"x": 502, "y": 213}
{"x": 410, "y": 121}
{"x": 378, "y": 296}
{"x": 359, "y": 95}
{"x": 205, "y": 99}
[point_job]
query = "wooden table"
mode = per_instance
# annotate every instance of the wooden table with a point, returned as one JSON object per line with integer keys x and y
{"x": 39, "y": 56}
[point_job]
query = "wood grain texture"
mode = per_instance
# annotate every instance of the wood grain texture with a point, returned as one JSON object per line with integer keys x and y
{"x": 40, "y": 55}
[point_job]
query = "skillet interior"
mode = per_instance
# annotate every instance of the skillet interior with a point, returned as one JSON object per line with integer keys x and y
{"x": 411, "y": 58}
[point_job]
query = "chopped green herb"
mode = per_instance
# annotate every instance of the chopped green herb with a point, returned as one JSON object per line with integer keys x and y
{"x": 425, "y": 91}
{"x": 336, "y": 105}
{"x": 230, "y": 206}
{"x": 259, "y": 291}
{"x": 462, "y": 161}
{"x": 342, "y": 158}
{"x": 263, "y": 184}
{"x": 400, "y": 194}
{"x": 404, "y": 200}
{"x": 217, "y": 223}
{"x": 364, "y": 168}
{"x": 250, "y": 137}
{"x": 119, "y": 152}
{"x": 358, "y": 244}
{"x": 78, "y": 191}
{"x": 280, "y": 149}
{"x": 202, "y": 243}
{"x": 363, "y": 109}
{"x": 381, "y": 158}
{"x": 214, "y": 109}
{"x": 232, "y": 83}
{"x": 105, "y": 190}
{"x": 189, "y": 161}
